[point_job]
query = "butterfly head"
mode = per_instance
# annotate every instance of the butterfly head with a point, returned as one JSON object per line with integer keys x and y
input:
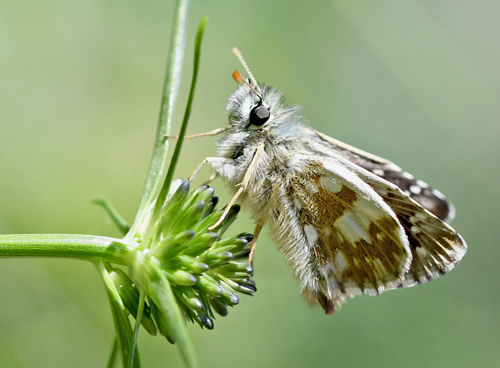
{"x": 254, "y": 107}
{"x": 249, "y": 111}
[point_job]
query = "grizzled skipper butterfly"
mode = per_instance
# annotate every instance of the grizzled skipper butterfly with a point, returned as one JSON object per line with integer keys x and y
{"x": 349, "y": 222}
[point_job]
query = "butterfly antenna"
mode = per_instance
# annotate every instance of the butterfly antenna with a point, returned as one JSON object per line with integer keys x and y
{"x": 237, "y": 52}
{"x": 238, "y": 78}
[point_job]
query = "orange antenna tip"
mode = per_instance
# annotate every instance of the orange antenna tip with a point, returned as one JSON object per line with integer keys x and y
{"x": 237, "y": 77}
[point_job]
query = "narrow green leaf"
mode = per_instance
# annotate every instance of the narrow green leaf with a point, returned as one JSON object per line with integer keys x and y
{"x": 178, "y": 146}
{"x": 117, "y": 219}
{"x": 124, "y": 333}
{"x": 133, "y": 346}
{"x": 170, "y": 91}
{"x": 159, "y": 290}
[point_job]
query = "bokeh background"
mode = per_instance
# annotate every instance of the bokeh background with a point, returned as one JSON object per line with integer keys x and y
{"x": 417, "y": 82}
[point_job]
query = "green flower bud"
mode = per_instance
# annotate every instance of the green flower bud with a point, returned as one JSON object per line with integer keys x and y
{"x": 129, "y": 295}
{"x": 188, "y": 297}
{"x": 203, "y": 193}
{"x": 173, "y": 245}
{"x": 189, "y": 217}
{"x": 228, "y": 297}
{"x": 201, "y": 244}
{"x": 201, "y": 317}
{"x": 215, "y": 259}
{"x": 244, "y": 286}
{"x": 180, "y": 277}
{"x": 219, "y": 307}
{"x": 161, "y": 322}
{"x": 231, "y": 244}
{"x": 208, "y": 285}
{"x": 171, "y": 208}
{"x": 236, "y": 267}
{"x": 191, "y": 264}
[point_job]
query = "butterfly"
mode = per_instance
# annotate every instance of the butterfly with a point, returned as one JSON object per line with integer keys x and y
{"x": 348, "y": 222}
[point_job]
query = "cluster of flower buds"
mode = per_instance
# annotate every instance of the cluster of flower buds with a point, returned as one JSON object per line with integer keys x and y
{"x": 204, "y": 270}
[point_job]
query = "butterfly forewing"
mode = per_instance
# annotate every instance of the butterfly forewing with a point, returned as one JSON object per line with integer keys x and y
{"x": 341, "y": 238}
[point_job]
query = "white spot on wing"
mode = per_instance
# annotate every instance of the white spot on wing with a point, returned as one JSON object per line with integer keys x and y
{"x": 382, "y": 192}
{"x": 438, "y": 194}
{"x": 415, "y": 229}
{"x": 422, "y": 184}
{"x": 331, "y": 185}
{"x": 426, "y": 202}
{"x": 378, "y": 172}
{"x": 451, "y": 214}
{"x": 351, "y": 229}
{"x": 337, "y": 268}
{"x": 340, "y": 262}
{"x": 311, "y": 235}
{"x": 421, "y": 252}
{"x": 407, "y": 175}
{"x": 377, "y": 263}
{"x": 421, "y": 215}
{"x": 415, "y": 189}
{"x": 328, "y": 268}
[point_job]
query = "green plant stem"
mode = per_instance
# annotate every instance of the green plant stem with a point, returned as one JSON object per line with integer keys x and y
{"x": 123, "y": 330}
{"x": 170, "y": 91}
{"x": 133, "y": 347}
{"x": 117, "y": 219}
{"x": 82, "y": 247}
{"x": 187, "y": 113}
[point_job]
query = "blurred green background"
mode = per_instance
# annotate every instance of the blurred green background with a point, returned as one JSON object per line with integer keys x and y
{"x": 417, "y": 82}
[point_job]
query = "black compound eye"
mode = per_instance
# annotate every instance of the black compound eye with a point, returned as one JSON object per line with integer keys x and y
{"x": 259, "y": 115}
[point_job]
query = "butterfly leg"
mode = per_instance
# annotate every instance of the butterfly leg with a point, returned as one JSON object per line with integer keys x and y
{"x": 210, "y": 179}
{"x": 210, "y": 133}
{"x": 227, "y": 209}
{"x": 260, "y": 225}
{"x": 208, "y": 159}
{"x": 243, "y": 185}
{"x": 253, "y": 245}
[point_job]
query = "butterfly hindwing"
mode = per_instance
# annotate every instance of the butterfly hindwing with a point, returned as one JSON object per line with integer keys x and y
{"x": 436, "y": 247}
{"x": 431, "y": 199}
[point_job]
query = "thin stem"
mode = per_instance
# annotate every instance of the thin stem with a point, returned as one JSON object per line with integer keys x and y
{"x": 117, "y": 219}
{"x": 121, "y": 321}
{"x": 83, "y": 247}
{"x": 178, "y": 146}
{"x": 140, "y": 310}
{"x": 170, "y": 92}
